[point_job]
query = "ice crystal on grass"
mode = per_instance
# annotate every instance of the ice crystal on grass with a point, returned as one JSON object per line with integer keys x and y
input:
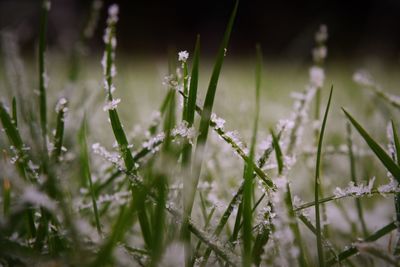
{"x": 363, "y": 77}
{"x": 170, "y": 82}
{"x": 184, "y": 131}
{"x": 33, "y": 196}
{"x": 391, "y": 187}
{"x": 319, "y": 53}
{"x": 111, "y": 104}
{"x": 219, "y": 122}
{"x": 153, "y": 143}
{"x": 321, "y": 36}
{"x": 113, "y": 11}
{"x": 317, "y": 76}
{"x": 112, "y": 157}
{"x": 353, "y": 189}
{"x": 47, "y": 5}
{"x": 61, "y": 105}
{"x": 183, "y": 56}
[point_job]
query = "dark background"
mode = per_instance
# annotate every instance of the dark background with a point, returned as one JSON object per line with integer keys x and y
{"x": 285, "y": 29}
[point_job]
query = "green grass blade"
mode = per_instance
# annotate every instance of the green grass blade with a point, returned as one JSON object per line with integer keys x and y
{"x": 58, "y": 138}
{"x": 318, "y": 184}
{"x": 42, "y": 70}
{"x": 86, "y": 171}
{"x": 352, "y": 250}
{"x": 354, "y": 179}
{"x": 194, "y": 80}
{"x": 208, "y": 104}
{"x": 15, "y": 140}
{"x": 116, "y": 125}
{"x": 14, "y": 112}
{"x": 397, "y": 196}
{"x": 386, "y": 160}
{"x": 212, "y": 87}
{"x": 248, "y": 177}
{"x": 396, "y": 142}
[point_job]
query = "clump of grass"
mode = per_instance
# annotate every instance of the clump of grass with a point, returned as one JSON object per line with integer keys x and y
{"x": 138, "y": 204}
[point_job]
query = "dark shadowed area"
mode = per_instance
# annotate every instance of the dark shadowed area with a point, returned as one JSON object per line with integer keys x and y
{"x": 284, "y": 28}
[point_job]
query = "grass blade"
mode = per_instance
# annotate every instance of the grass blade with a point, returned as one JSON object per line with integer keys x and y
{"x": 397, "y": 196}
{"x": 187, "y": 149}
{"x": 352, "y": 250}
{"x": 386, "y": 160}
{"x": 42, "y": 70}
{"x": 58, "y": 138}
{"x": 354, "y": 179}
{"x": 207, "y": 107}
{"x": 109, "y": 71}
{"x": 86, "y": 171}
{"x": 318, "y": 184}
{"x": 248, "y": 177}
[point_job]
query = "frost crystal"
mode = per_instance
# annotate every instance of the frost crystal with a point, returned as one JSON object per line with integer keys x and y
{"x": 47, "y": 5}
{"x": 392, "y": 186}
{"x": 183, "y": 56}
{"x": 152, "y": 144}
{"x": 317, "y": 76}
{"x": 319, "y": 53}
{"x": 355, "y": 190}
{"x": 114, "y": 158}
{"x": 33, "y": 196}
{"x": 185, "y": 132}
{"x": 285, "y": 125}
{"x": 110, "y": 105}
{"x": 113, "y": 11}
{"x": 61, "y": 105}
{"x": 363, "y": 77}
{"x": 170, "y": 82}
{"x": 219, "y": 122}
{"x": 321, "y": 35}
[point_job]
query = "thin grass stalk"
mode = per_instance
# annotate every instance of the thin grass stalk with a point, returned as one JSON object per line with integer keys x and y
{"x": 318, "y": 184}
{"x": 248, "y": 177}
{"x": 385, "y": 159}
{"x": 87, "y": 173}
{"x": 207, "y": 108}
{"x": 352, "y": 250}
{"x": 42, "y": 71}
{"x": 187, "y": 155}
{"x": 354, "y": 179}
{"x": 397, "y": 196}
{"x": 59, "y": 135}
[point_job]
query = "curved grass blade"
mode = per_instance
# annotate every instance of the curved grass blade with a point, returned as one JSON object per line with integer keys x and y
{"x": 207, "y": 107}
{"x": 248, "y": 177}
{"x": 317, "y": 184}
{"x": 397, "y": 196}
{"x": 352, "y": 250}
{"x": 386, "y": 160}
{"x": 15, "y": 140}
{"x": 86, "y": 171}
